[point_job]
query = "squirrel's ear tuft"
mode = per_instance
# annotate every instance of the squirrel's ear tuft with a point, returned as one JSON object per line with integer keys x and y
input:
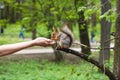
{"x": 55, "y": 34}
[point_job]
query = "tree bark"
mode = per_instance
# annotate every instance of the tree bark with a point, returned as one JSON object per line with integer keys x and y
{"x": 117, "y": 44}
{"x": 83, "y": 29}
{"x": 105, "y": 33}
{"x": 83, "y": 33}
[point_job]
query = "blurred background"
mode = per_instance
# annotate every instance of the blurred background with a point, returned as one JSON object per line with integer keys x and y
{"x": 91, "y": 22}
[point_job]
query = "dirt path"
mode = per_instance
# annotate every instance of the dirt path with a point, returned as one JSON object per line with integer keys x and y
{"x": 39, "y": 50}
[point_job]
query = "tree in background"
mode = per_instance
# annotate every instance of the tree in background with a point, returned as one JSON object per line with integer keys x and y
{"x": 117, "y": 43}
{"x": 83, "y": 29}
{"x": 6, "y": 10}
{"x": 105, "y": 32}
{"x": 93, "y": 24}
{"x": 33, "y": 19}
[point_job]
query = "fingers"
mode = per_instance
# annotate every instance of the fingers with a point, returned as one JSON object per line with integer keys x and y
{"x": 44, "y": 42}
{"x": 51, "y": 42}
{"x": 48, "y": 42}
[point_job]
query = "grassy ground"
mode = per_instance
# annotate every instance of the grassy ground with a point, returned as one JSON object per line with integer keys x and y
{"x": 46, "y": 70}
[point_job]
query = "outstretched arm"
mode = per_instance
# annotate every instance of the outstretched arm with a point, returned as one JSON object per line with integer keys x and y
{"x": 11, "y": 48}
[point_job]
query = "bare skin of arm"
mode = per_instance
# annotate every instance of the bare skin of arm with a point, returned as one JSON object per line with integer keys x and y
{"x": 11, "y": 48}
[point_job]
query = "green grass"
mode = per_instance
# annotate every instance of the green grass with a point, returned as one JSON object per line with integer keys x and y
{"x": 45, "y": 70}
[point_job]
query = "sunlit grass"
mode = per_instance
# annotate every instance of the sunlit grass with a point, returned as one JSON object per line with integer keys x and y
{"x": 9, "y": 40}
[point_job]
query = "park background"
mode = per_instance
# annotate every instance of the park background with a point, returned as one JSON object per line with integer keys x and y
{"x": 93, "y": 23}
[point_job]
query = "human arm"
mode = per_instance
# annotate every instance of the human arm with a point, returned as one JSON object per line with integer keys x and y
{"x": 11, "y": 48}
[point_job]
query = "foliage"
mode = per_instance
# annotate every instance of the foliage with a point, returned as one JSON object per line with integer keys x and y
{"x": 54, "y": 12}
{"x": 109, "y": 15}
{"x": 9, "y": 40}
{"x": 3, "y": 22}
{"x": 42, "y": 30}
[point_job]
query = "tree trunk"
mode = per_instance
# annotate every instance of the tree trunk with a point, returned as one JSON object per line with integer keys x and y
{"x": 93, "y": 20}
{"x": 117, "y": 44}
{"x": 6, "y": 12}
{"x": 2, "y": 14}
{"x": 105, "y": 34}
{"x": 32, "y": 23}
{"x": 83, "y": 32}
{"x": 82, "y": 24}
{"x": 12, "y": 15}
{"x": 18, "y": 11}
{"x": 33, "y": 33}
{"x": 58, "y": 55}
{"x": 93, "y": 17}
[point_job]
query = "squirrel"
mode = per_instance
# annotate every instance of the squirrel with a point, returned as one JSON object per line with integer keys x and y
{"x": 63, "y": 38}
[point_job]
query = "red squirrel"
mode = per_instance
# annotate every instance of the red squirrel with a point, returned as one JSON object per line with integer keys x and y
{"x": 64, "y": 37}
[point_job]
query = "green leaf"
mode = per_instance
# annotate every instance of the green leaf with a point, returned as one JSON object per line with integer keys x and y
{"x": 81, "y": 9}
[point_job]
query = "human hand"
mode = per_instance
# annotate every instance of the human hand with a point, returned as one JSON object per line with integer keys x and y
{"x": 43, "y": 42}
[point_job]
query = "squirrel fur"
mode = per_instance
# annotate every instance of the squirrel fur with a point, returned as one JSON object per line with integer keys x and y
{"x": 64, "y": 37}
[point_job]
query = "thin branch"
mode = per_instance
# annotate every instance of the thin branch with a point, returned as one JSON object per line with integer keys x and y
{"x": 112, "y": 39}
{"x": 94, "y": 48}
{"x": 103, "y": 48}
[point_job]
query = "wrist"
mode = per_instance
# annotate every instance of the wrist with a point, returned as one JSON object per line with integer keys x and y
{"x": 32, "y": 43}
{"x": 35, "y": 42}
